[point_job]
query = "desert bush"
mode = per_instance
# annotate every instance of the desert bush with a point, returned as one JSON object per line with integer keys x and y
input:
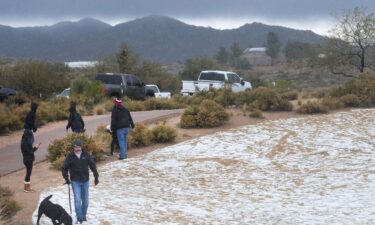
{"x": 163, "y": 133}
{"x": 139, "y": 136}
{"x": 8, "y": 120}
{"x": 156, "y": 104}
{"x": 312, "y": 107}
{"x": 363, "y": 86}
{"x": 290, "y": 95}
{"x": 133, "y": 105}
{"x": 207, "y": 114}
{"x": 225, "y": 97}
{"x": 60, "y": 148}
{"x": 350, "y": 100}
{"x": 332, "y": 103}
{"x": 256, "y": 113}
{"x": 267, "y": 99}
{"x": 8, "y": 206}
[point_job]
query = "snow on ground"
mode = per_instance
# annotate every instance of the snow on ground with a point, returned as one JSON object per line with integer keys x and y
{"x": 311, "y": 170}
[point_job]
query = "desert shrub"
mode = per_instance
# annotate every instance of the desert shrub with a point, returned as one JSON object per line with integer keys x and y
{"x": 60, "y": 148}
{"x": 8, "y": 120}
{"x": 243, "y": 98}
{"x": 256, "y": 113}
{"x": 8, "y": 207}
{"x": 350, "y": 100}
{"x": 139, "y": 136}
{"x": 290, "y": 95}
{"x": 363, "y": 86}
{"x": 133, "y": 105}
{"x": 332, "y": 103}
{"x": 207, "y": 114}
{"x": 163, "y": 133}
{"x": 267, "y": 99}
{"x": 312, "y": 107}
{"x": 155, "y": 104}
{"x": 225, "y": 97}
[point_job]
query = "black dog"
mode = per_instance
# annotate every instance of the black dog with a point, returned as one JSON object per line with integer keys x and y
{"x": 54, "y": 211}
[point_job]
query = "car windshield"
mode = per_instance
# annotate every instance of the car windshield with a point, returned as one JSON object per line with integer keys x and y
{"x": 65, "y": 92}
{"x": 154, "y": 88}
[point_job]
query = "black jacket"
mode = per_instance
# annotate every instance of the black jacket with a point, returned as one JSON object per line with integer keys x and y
{"x": 75, "y": 120}
{"x": 79, "y": 167}
{"x": 27, "y": 146}
{"x": 121, "y": 118}
{"x": 30, "y": 118}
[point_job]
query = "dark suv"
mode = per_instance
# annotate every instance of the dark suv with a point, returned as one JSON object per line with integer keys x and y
{"x": 119, "y": 85}
{"x": 6, "y": 92}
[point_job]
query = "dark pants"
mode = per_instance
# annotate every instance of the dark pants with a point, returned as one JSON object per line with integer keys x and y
{"x": 114, "y": 143}
{"x": 29, "y": 169}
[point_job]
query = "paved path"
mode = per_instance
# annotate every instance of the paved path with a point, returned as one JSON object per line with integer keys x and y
{"x": 10, "y": 151}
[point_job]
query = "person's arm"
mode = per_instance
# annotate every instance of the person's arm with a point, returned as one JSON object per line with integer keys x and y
{"x": 65, "y": 169}
{"x": 35, "y": 128}
{"x": 130, "y": 119}
{"x": 69, "y": 122}
{"x": 92, "y": 166}
{"x": 83, "y": 123}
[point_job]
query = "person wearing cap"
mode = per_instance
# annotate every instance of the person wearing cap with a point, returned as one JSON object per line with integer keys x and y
{"x": 121, "y": 121}
{"x": 77, "y": 163}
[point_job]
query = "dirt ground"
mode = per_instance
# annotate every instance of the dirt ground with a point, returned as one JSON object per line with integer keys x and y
{"x": 43, "y": 177}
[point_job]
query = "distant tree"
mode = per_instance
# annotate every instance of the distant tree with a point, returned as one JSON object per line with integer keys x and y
{"x": 236, "y": 50}
{"x": 349, "y": 48}
{"x": 194, "y": 66}
{"x": 273, "y": 45}
{"x": 222, "y": 56}
{"x": 298, "y": 51}
{"x": 127, "y": 60}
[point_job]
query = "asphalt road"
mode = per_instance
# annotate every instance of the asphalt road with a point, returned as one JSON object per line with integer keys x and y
{"x": 10, "y": 151}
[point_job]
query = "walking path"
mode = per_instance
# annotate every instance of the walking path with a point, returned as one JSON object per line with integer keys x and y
{"x": 10, "y": 152}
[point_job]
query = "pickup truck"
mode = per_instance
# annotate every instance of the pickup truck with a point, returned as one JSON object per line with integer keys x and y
{"x": 6, "y": 92}
{"x": 217, "y": 79}
{"x": 154, "y": 89}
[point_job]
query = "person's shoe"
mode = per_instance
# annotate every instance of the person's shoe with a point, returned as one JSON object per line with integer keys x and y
{"x": 84, "y": 218}
{"x": 121, "y": 158}
{"x": 26, "y": 187}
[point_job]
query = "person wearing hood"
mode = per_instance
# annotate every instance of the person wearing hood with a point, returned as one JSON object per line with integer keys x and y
{"x": 78, "y": 163}
{"x": 28, "y": 150}
{"x": 121, "y": 121}
{"x": 75, "y": 121}
{"x": 30, "y": 118}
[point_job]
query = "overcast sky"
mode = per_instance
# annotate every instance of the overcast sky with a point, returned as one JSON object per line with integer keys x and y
{"x": 314, "y": 15}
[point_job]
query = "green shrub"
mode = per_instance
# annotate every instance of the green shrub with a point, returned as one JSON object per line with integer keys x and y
{"x": 60, "y": 148}
{"x": 133, "y": 105}
{"x": 225, "y": 97}
{"x": 350, "y": 100}
{"x": 163, "y": 133}
{"x": 156, "y": 104}
{"x": 139, "y": 136}
{"x": 207, "y": 114}
{"x": 267, "y": 99}
{"x": 8, "y": 206}
{"x": 312, "y": 107}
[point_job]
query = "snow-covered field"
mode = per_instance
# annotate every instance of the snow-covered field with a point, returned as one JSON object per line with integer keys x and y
{"x": 311, "y": 170}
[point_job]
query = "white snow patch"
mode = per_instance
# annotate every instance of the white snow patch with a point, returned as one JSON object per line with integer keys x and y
{"x": 312, "y": 170}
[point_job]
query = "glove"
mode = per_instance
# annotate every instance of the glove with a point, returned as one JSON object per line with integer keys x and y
{"x": 67, "y": 181}
{"x": 35, "y": 129}
{"x": 96, "y": 182}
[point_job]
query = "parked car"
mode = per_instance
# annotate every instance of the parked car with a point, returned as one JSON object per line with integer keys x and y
{"x": 153, "y": 90}
{"x": 65, "y": 93}
{"x": 215, "y": 79}
{"x": 6, "y": 92}
{"x": 120, "y": 85}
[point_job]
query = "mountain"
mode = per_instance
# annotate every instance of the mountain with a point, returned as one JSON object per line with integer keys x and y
{"x": 159, "y": 38}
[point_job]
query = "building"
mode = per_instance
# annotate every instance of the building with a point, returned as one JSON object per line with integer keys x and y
{"x": 257, "y": 56}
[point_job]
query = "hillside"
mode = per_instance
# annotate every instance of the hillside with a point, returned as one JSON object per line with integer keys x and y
{"x": 159, "y": 38}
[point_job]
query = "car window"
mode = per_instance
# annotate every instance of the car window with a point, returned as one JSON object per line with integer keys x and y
{"x": 233, "y": 78}
{"x": 135, "y": 81}
{"x": 109, "y": 79}
{"x": 154, "y": 88}
{"x": 128, "y": 81}
{"x": 212, "y": 76}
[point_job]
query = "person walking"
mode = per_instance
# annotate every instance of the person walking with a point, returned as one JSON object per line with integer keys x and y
{"x": 77, "y": 163}
{"x": 27, "y": 142}
{"x": 121, "y": 121}
{"x": 75, "y": 120}
{"x": 28, "y": 150}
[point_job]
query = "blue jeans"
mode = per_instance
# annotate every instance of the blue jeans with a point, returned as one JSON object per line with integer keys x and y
{"x": 81, "y": 198}
{"x": 121, "y": 137}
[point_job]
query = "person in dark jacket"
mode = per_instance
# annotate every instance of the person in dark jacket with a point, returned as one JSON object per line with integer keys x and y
{"x": 75, "y": 120}
{"x": 77, "y": 163}
{"x": 28, "y": 150}
{"x": 121, "y": 121}
{"x": 30, "y": 118}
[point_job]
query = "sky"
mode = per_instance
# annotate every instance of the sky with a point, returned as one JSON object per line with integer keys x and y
{"x": 315, "y": 15}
